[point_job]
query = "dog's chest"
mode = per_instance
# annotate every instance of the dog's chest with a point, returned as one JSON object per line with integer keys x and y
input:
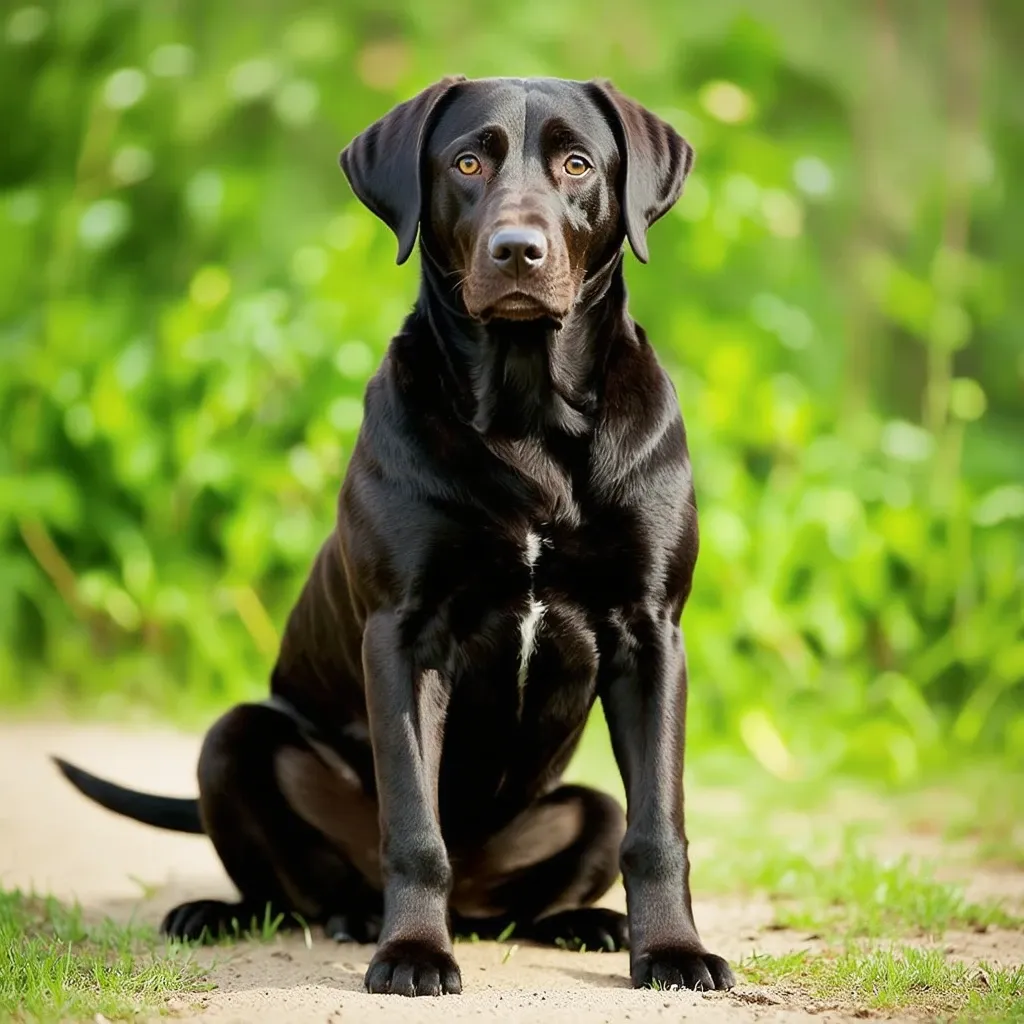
{"x": 527, "y": 664}
{"x": 531, "y": 619}
{"x": 544, "y": 651}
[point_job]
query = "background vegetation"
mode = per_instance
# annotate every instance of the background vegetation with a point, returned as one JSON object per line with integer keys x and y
{"x": 191, "y": 301}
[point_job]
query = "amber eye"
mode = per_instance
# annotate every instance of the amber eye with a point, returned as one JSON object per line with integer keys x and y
{"x": 576, "y": 166}
{"x": 468, "y": 164}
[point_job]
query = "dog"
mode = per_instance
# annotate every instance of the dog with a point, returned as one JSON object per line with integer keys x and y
{"x": 516, "y": 537}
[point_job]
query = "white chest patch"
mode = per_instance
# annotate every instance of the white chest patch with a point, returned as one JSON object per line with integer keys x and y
{"x": 530, "y": 621}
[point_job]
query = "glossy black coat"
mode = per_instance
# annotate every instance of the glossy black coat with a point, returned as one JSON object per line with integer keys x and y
{"x": 516, "y": 538}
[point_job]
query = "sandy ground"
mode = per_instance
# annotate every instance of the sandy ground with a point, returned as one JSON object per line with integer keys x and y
{"x": 53, "y": 840}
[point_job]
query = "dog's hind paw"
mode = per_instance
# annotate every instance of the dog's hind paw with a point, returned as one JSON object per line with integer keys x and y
{"x": 208, "y": 921}
{"x": 361, "y": 928}
{"x": 585, "y": 929}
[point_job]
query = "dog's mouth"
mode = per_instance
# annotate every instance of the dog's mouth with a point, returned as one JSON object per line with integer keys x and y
{"x": 520, "y": 306}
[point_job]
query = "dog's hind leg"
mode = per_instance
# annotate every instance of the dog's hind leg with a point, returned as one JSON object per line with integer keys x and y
{"x": 265, "y": 787}
{"x": 543, "y": 871}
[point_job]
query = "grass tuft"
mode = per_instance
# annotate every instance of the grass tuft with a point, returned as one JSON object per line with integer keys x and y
{"x": 258, "y": 929}
{"x": 900, "y": 977}
{"x": 55, "y": 965}
{"x": 861, "y": 895}
{"x": 858, "y": 894}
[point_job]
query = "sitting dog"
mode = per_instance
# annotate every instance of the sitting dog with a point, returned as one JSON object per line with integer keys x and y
{"x": 516, "y": 537}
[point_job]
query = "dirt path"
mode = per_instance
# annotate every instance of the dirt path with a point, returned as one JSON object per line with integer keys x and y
{"x": 53, "y": 840}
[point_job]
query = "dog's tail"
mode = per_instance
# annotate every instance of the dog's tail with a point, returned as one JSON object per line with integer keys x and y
{"x": 171, "y": 813}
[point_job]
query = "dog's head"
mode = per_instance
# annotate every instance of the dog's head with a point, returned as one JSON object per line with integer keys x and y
{"x": 519, "y": 187}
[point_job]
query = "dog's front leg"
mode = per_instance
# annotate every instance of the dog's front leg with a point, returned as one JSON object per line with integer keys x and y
{"x": 407, "y": 711}
{"x": 645, "y": 704}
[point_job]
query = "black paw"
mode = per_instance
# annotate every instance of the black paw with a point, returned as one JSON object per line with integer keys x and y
{"x": 413, "y": 969}
{"x": 681, "y": 968}
{"x": 361, "y": 928}
{"x": 205, "y": 921}
{"x": 588, "y": 928}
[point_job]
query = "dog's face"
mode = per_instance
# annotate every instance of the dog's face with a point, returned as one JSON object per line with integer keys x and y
{"x": 519, "y": 187}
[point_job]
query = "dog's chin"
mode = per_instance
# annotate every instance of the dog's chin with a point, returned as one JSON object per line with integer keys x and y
{"x": 519, "y": 307}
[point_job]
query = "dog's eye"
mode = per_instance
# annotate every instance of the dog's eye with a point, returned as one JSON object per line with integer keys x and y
{"x": 468, "y": 164}
{"x": 576, "y": 166}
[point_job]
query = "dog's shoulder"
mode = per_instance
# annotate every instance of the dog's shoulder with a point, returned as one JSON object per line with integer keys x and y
{"x": 402, "y": 402}
{"x": 637, "y": 388}
{"x": 640, "y": 434}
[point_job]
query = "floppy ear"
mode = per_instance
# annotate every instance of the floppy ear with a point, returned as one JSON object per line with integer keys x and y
{"x": 656, "y": 162}
{"x": 382, "y": 163}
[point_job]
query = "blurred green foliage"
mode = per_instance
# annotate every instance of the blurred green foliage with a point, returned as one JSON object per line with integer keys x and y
{"x": 191, "y": 301}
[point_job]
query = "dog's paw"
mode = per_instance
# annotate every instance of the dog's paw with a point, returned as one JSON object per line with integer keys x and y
{"x": 586, "y": 929}
{"x": 681, "y": 968}
{"x": 205, "y": 921}
{"x": 413, "y": 968}
{"x": 361, "y": 928}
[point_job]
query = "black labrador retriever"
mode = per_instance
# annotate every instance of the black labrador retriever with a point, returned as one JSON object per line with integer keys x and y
{"x": 516, "y": 537}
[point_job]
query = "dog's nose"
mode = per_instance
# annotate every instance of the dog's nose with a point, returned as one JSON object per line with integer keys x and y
{"x": 518, "y": 250}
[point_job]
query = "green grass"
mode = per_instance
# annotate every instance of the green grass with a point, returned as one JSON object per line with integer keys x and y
{"x": 257, "y": 929}
{"x": 900, "y": 977}
{"x": 57, "y": 965}
{"x": 858, "y": 894}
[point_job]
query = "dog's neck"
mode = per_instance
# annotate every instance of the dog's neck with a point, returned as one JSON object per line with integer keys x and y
{"x": 520, "y": 378}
